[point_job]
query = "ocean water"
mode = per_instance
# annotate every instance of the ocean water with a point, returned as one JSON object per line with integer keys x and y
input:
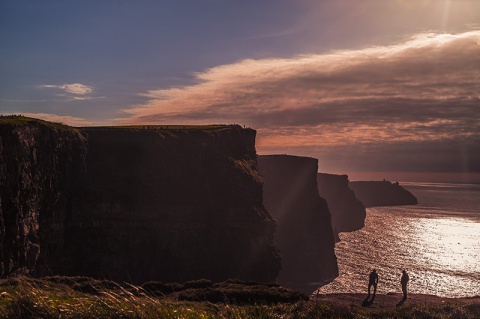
{"x": 436, "y": 241}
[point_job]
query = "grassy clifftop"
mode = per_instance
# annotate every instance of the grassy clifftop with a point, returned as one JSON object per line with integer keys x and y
{"x": 23, "y": 120}
{"x": 19, "y": 120}
{"x": 168, "y": 127}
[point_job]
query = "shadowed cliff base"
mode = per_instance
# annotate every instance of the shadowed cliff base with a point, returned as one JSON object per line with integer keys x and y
{"x": 382, "y": 193}
{"x": 133, "y": 204}
{"x": 304, "y": 234}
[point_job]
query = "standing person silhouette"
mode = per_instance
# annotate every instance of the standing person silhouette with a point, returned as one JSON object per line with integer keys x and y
{"x": 373, "y": 281}
{"x": 404, "y": 281}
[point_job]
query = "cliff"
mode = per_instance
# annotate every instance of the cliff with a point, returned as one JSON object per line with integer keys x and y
{"x": 304, "y": 235}
{"x": 40, "y": 166}
{"x": 382, "y": 193}
{"x": 346, "y": 210}
{"x": 173, "y": 205}
{"x": 134, "y": 204}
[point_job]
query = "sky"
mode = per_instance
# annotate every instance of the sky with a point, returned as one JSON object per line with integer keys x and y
{"x": 373, "y": 89}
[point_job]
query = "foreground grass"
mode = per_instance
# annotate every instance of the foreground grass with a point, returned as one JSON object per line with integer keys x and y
{"x": 28, "y": 298}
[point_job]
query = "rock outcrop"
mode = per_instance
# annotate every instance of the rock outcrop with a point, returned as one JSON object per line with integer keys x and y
{"x": 133, "y": 204}
{"x": 347, "y": 211}
{"x": 382, "y": 193}
{"x": 304, "y": 234}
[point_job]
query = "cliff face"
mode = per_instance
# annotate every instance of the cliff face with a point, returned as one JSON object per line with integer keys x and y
{"x": 40, "y": 165}
{"x": 304, "y": 234}
{"x": 382, "y": 193}
{"x": 347, "y": 211}
{"x": 134, "y": 204}
{"x": 173, "y": 205}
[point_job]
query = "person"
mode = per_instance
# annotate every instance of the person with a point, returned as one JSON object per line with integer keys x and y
{"x": 404, "y": 281}
{"x": 373, "y": 281}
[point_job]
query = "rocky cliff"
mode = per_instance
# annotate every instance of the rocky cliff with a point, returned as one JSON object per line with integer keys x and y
{"x": 173, "y": 205}
{"x": 304, "y": 234}
{"x": 347, "y": 211}
{"x": 134, "y": 204}
{"x": 40, "y": 166}
{"x": 382, "y": 193}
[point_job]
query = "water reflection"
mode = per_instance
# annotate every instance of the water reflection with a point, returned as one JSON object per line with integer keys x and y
{"x": 441, "y": 254}
{"x": 450, "y": 244}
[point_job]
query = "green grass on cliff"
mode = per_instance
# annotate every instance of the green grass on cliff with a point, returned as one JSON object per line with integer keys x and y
{"x": 20, "y": 120}
{"x": 15, "y": 119}
{"x": 181, "y": 127}
{"x": 167, "y": 127}
{"x": 28, "y": 298}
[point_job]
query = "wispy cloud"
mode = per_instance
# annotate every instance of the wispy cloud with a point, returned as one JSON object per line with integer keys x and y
{"x": 73, "y": 88}
{"x": 424, "y": 89}
{"x": 427, "y": 77}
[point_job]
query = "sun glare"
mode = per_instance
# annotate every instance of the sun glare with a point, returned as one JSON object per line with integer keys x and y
{"x": 446, "y": 250}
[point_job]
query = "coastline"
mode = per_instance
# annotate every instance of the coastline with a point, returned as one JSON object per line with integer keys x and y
{"x": 437, "y": 247}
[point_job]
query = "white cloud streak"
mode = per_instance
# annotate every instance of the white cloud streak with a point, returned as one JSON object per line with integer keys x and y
{"x": 338, "y": 86}
{"x": 424, "y": 89}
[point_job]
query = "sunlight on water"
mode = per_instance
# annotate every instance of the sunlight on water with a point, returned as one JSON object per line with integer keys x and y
{"x": 439, "y": 247}
{"x": 453, "y": 244}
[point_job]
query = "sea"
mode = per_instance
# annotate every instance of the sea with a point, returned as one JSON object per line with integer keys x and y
{"x": 437, "y": 242}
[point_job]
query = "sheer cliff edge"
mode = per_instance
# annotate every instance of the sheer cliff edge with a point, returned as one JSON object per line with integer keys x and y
{"x": 133, "y": 204}
{"x": 304, "y": 236}
{"x": 347, "y": 211}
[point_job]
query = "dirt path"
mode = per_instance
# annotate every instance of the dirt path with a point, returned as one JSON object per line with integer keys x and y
{"x": 390, "y": 300}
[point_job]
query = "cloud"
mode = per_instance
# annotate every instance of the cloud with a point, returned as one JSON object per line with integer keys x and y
{"x": 426, "y": 88}
{"x": 73, "y": 88}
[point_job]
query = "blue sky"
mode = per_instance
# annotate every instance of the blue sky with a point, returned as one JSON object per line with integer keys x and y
{"x": 348, "y": 82}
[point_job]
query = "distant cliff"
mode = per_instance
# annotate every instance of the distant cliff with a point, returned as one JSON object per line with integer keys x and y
{"x": 347, "y": 211}
{"x": 133, "y": 204}
{"x": 382, "y": 193}
{"x": 304, "y": 235}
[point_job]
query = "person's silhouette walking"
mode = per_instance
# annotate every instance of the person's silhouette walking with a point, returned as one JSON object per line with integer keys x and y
{"x": 404, "y": 281}
{"x": 373, "y": 281}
